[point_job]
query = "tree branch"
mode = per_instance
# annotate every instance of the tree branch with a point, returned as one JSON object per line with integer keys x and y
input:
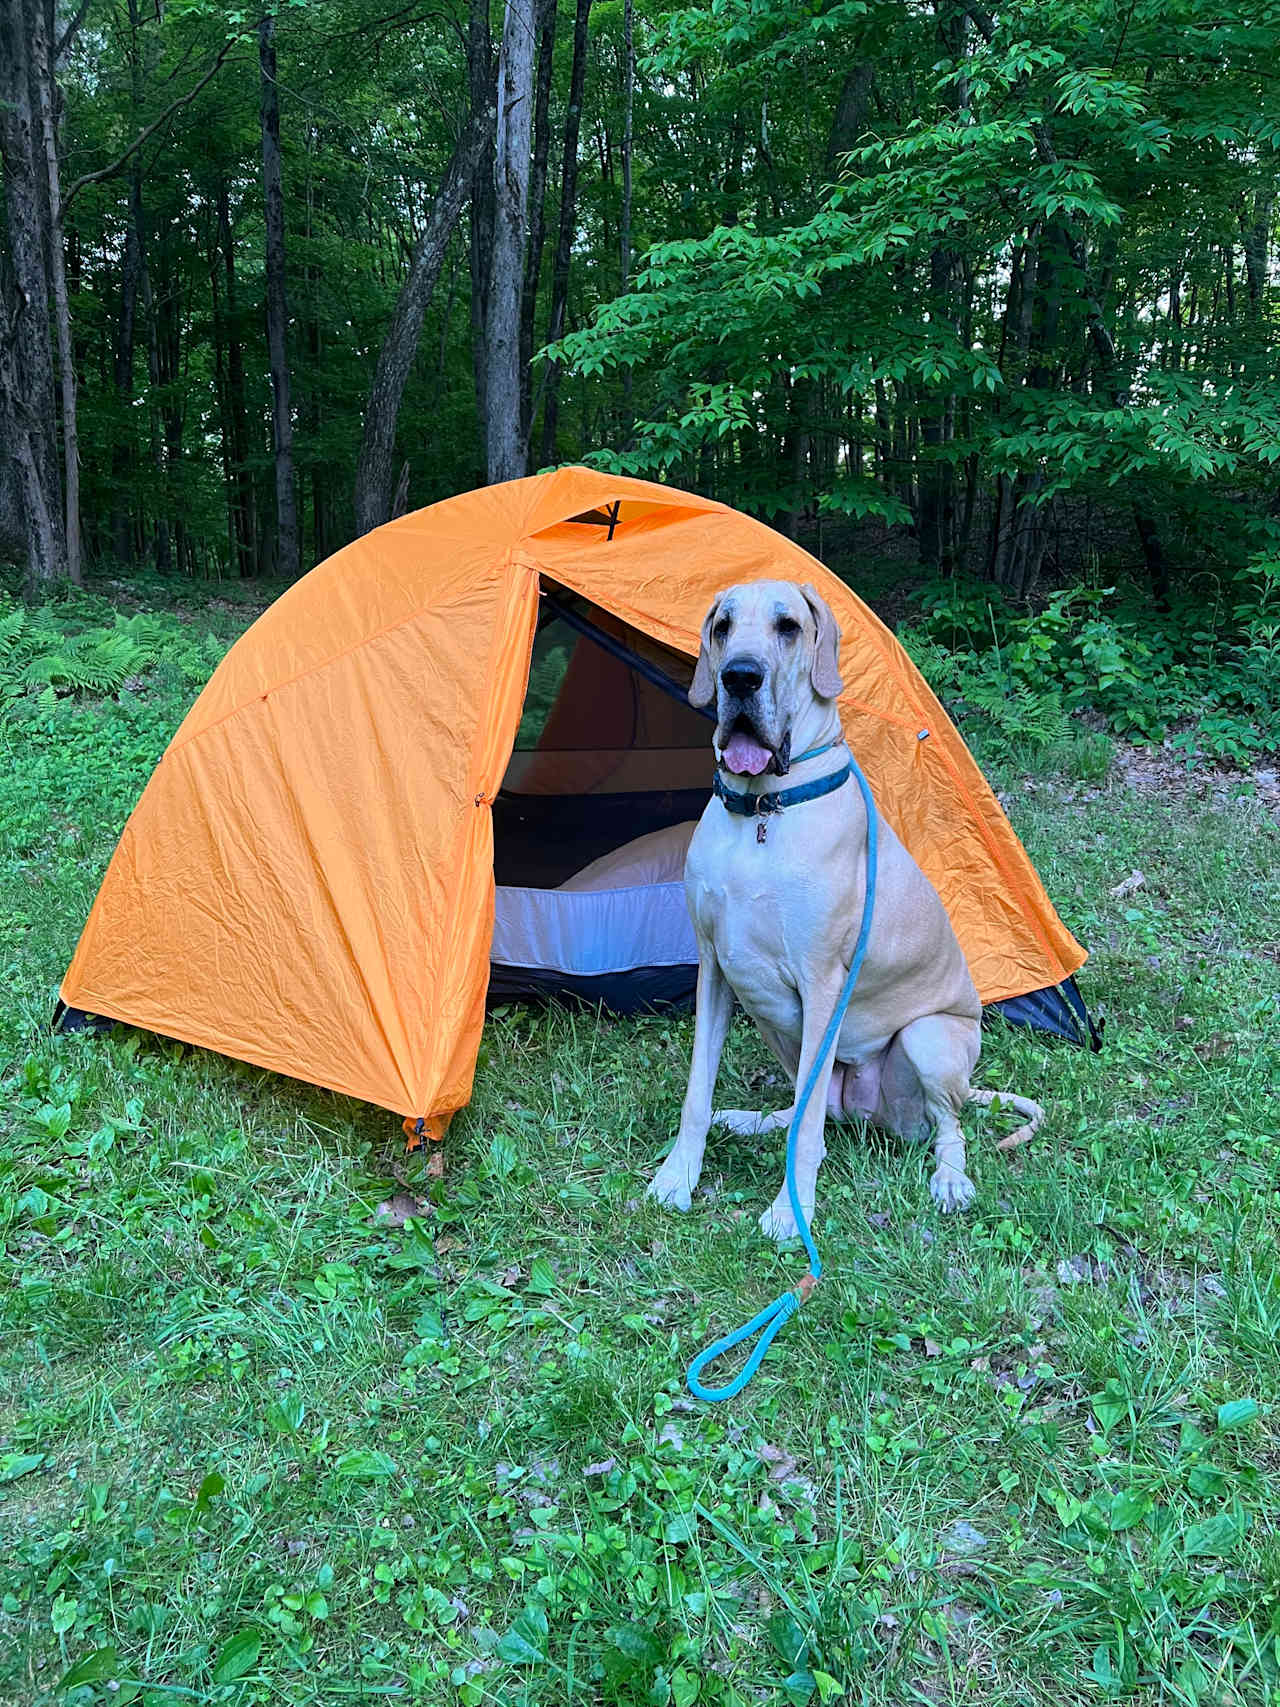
{"x": 182, "y": 101}
{"x": 72, "y": 30}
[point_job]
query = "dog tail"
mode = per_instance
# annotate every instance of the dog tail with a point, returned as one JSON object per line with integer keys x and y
{"x": 1020, "y": 1105}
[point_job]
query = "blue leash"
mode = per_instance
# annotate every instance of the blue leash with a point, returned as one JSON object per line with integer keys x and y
{"x": 774, "y": 1315}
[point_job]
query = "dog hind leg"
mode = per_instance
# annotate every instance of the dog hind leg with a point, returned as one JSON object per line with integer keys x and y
{"x": 942, "y": 1050}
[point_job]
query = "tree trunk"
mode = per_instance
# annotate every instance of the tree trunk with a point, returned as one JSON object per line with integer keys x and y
{"x": 505, "y": 449}
{"x": 124, "y": 449}
{"x": 624, "y": 218}
{"x": 287, "y": 554}
{"x": 937, "y": 477}
{"x": 245, "y": 514}
{"x": 568, "y": 219}
{"x": 28, "y": 400}
{"x": 172, "y": 400}
{"x": 851, "y": 113}
{"x": 400, "y": 346}
{"x": 163, "y": 557}
{"x": 937, "y": 519}
{"x": 42, "y": 64}
{"x": 537, "y": 205}
{"x": 483, "y": 95}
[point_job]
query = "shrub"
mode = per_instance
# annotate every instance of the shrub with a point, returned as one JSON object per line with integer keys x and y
{"x": 1210, "y": 667}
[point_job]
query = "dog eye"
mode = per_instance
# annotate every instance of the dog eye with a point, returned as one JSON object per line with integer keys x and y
{"x": 787, "y": 627}
{"x": 720, "y": 629}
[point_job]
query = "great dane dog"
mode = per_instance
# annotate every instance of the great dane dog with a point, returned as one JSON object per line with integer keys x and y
{"x": 777, "y": 900}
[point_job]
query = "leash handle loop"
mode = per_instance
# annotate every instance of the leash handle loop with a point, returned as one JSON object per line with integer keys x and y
{"x": 771, "y": 1319}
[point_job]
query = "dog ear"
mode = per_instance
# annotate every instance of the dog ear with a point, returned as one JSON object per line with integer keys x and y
{"x": 825, "y": 672}
{"x": 702, "y": 690}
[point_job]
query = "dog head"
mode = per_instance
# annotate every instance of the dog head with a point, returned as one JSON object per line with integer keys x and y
{"x": 767, "y": 647}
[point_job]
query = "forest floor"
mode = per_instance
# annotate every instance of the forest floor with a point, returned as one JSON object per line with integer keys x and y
{"x": 261, "y": 1441}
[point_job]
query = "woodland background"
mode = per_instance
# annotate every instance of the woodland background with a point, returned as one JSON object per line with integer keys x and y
{"x": 985, "y": 293}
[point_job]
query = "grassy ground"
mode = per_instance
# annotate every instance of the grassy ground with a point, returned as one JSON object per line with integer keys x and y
{"x": 258, "y": 1444}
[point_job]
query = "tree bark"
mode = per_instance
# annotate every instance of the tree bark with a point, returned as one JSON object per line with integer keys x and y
{"x": 624, "y": 218}
{"x": 505, "y": 448}
{"x": 851, "y": 113}
{"x": 42, "y": 63}
{"x": 163, "y": 559}
{"x": 537, "y": 205}
{"x": 483, "y": 95}
{"x": 287, "y": 552}
{"x": 400, "y": 346}
{"x": 124, "y": 449}
{"x": 564, "y": 235}
{"x": 245, "y": 505}
{"x": 28, "y": 376}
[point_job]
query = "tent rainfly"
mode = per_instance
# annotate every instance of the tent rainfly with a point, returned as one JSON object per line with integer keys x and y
{"x": 308, "y": 880}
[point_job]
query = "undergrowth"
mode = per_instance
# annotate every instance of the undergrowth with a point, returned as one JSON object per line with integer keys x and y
{"x": 1205, "y": 673}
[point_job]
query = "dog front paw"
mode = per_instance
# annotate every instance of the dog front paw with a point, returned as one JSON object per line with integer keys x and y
{"x": 672, "y": 1185}
{"x": 778, "y": 1221}
{"x": 952, "y": 1189}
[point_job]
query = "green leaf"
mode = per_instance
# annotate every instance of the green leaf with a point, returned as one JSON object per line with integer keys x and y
{"x": 787, "y": 1638}
{"x": 209, "y": 1490}
{"x": 684, "y": 1687}
{"x": 1206, "y": 1479}
{"x": 682, "y": 1527}
{"x": 525, "y": 1643}
{"x": 63, "y": 1614}
{"x": 93, "y": 1668}
{"x": 285, "y": 1415}
{"x": 637, "y": 1644}
{"x": 542, "y": 1278}
{"x": 828, "y": 1687}
{"x": 1128, "y": 1509}
{"x": 15, "y": 1464}
{"x": 1215, "y": 1538}
{"x": 364, "y": 1464}
{"x": 237, "y": 1655}
{"x": 1236, "y": 1412}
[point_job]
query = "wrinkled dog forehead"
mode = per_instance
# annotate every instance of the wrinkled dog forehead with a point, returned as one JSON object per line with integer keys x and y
{"x": 758, "y": 605}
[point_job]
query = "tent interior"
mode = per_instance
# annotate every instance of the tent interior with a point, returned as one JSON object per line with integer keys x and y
{"x": 609, "y": 759}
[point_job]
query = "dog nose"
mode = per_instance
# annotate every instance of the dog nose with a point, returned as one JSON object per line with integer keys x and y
{"x": 742, "y": 676}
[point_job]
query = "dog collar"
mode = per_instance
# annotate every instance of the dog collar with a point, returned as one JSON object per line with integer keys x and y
{"x": 817, "y": 752}
{"x": 765, "y": 805}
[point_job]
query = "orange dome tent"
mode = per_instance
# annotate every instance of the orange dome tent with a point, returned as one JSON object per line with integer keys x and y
{"x": 307, "y": 882}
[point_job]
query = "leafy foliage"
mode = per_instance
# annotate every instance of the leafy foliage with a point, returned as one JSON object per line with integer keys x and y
{"x": 1211, "y": 673}
{"x": 41, "y": 649}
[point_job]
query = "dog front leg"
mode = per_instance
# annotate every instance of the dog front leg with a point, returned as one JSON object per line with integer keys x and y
{"x": 779, "y": 1221}
{"x": 674, "y": 1182}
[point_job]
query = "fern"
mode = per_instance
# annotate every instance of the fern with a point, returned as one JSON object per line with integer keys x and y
{"x": 36, "y": 651}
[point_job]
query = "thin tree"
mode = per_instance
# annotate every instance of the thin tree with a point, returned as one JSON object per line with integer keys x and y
{"x": 287, "y": 550}
{"x": 564, "y": 235}
{"x": 624, "y": 221}
{"x": 505, "y": 446}
{"x": 400, "y": 346}
{"x": 537, "y": 203}
{"x": 42, "y": 66}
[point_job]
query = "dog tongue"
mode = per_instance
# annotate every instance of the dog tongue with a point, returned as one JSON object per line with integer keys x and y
{"x": 744, "y": 756}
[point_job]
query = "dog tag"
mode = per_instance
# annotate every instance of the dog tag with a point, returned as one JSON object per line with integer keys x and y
{"x": 762, "y": 828}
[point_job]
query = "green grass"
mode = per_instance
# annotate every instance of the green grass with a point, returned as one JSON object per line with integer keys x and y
{"x": 257, "y": 1446}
